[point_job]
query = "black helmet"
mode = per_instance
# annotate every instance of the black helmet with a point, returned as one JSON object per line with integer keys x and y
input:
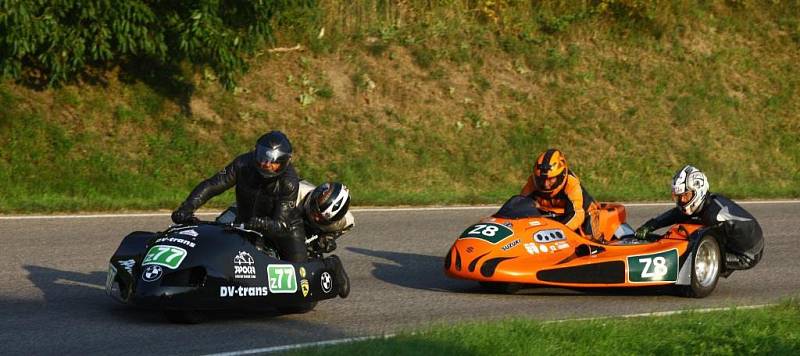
{"x": 328, "y": 203}
{"x": 273, "y": 153}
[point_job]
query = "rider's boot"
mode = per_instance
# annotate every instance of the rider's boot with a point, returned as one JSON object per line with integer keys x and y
{"x": 342, "y": 279}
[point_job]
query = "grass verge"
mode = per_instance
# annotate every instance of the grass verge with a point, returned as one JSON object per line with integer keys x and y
{"x": 768, "y": 331}
{"x": 420, "y": 102}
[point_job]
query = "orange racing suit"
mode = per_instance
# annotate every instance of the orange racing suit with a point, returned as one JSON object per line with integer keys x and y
{"x": 573, "y": 203}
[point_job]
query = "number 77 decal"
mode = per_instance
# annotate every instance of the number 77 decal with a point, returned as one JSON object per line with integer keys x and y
{"x": 282, "y": 279}
{"x": 167, "y": 256}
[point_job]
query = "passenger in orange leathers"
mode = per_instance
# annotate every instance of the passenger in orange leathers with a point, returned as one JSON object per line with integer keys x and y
{"x": 558, "y": 190}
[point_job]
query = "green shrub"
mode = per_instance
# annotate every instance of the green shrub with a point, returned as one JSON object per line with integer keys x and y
{"x": 46, "y": 42}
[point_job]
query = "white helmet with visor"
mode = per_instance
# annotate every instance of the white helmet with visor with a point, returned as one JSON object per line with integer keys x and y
{"x": 689, "y": 189}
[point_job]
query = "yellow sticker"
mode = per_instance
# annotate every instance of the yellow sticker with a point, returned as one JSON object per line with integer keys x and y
{"x": 302, "y": 272}
{"x": 304, "y": 287}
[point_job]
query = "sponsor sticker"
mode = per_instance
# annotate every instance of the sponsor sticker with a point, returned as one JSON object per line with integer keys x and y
{"x": 531, "y": 248}
{"x": 127, "y": 265}
{"x": 562, "y": 245}
{"x": 326, "y": 281}
{"x": 535, "y": 223}
{"x": 510, "y": 245}
{"x": 162, "y": 255}
{"x": 243, "y": 266}
{"x": 546, "y": 236}
{"x": 489, "y": 232}
{"x": 231, "y": 291}
{"x": 281, "y": 278}
{"x": 152, "y": 273}
{"x": 470, "y": 249}
{"x": 304, "y": 286}
{"x": 190, "y": 232}
{"x": 654, "y": 267}
{"x": 302, "y": 271}
{"x": 176, "y": 240}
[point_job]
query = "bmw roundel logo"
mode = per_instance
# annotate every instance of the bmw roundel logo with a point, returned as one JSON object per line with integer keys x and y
{"x": 152, "y": 273}
{"x": 326, "y": 281}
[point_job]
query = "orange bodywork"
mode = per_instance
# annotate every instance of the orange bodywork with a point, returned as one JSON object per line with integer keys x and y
{"x": 541, "y": 251}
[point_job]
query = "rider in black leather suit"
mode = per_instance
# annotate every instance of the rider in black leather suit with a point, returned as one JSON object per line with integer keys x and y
{"x": 266, "y": 190}
{"x": 742, "y": 238}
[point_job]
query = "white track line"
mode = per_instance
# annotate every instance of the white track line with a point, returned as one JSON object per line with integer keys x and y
{"x": 361, "y": 210}
{"x": 300, "y": 346}
{"x": 666, "y": 313}
{"x": 388, "y": 336}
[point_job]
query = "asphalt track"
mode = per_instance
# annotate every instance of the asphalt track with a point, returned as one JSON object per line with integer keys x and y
{"x": 52, "y": 273}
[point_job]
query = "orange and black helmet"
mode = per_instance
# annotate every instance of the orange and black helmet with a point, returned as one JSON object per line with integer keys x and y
{"x": 550, "y": 164}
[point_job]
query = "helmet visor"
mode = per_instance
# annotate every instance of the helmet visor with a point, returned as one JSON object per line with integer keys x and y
{"x": 271, "y": 161}
{"x": 273, "y": 167}
{"x": 318, "y": 218}
{"x": 548, "y": 184}
{"x": 683, "y": 198}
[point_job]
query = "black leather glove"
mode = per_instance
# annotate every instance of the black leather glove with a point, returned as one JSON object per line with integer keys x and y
{"x": 643, "y": 231}
{"x": 183, "y": 216}
{"x": 327, "y": 244}
{"x": 264, "y": 224}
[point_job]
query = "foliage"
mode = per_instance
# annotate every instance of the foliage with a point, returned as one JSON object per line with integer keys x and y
{"x": 50, "y": 42}
{"x": 420, "y": 102}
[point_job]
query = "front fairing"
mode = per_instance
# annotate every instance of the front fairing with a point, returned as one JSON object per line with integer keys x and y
{"x": 212, "y": 266}
{"x": 516, "y": 248}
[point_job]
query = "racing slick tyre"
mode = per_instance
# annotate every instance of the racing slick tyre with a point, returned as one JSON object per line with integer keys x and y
{"x": 184, "y": 316}
{"x": 298, "y": 308}
{"x": 705, "y": 268}
{"x": 501, "y": 287}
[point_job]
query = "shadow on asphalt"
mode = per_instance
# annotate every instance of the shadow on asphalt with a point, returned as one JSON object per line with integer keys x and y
{"x": 413, "y": 270}
{"x": 425, "y": 272}
{"x": 82, "y": 296}
{"x": 71, "y": 314}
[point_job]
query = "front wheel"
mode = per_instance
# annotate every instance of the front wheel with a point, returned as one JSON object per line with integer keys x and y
{"x": 706, "y": 262}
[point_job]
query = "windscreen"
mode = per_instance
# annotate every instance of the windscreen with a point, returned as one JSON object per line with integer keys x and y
{"x": 518, "y": 207}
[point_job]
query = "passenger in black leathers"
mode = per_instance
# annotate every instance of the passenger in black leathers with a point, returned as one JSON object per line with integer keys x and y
{"x": 742, "y": 238}
{"x": 266, "y": 190}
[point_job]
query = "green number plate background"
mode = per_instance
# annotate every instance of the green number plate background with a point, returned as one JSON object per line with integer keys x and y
{"x": 282, "y": 279}
{"x": 490, "y": 232}
{"x": 654, "y": 267}
{"x": 167, "y": 256}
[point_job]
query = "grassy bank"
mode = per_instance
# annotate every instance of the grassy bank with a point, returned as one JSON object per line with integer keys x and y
{"x": 770, "y": 331}
{"x": 413, "y": 103}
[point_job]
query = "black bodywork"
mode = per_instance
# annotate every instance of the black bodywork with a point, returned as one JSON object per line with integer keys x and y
{"x": 222, "y": 268}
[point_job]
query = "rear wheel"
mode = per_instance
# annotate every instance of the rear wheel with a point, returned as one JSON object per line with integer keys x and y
{"x": 184, "y": 316}
{"x": 706, "y": 262}
{"x": 298, "y": 308}
{"x": 501, "y": 287}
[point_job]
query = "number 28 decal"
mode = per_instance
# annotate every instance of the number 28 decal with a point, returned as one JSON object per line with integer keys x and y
{"x": 655, "y": 267}
{"x": 484, "y": 229}
{"x": 490, "y": 232}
